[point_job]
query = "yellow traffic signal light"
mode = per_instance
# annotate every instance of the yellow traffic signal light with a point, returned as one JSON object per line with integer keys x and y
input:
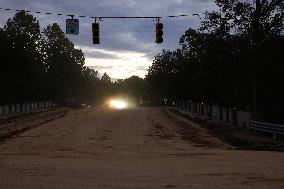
{"x": 159, "y": 33}
{"x": 96, "y": 33}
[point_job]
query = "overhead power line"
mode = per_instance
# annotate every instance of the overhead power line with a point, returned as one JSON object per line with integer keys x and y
{"x": 101, "y": 17}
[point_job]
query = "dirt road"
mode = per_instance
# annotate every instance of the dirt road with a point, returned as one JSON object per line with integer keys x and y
{"x": 139, "y": 148}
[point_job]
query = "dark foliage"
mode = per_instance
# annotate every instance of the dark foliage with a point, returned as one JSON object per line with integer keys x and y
{"x": 234, "y": 59}
{"x": 36, "y": 66}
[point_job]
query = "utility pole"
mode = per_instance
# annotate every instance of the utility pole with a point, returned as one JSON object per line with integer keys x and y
{"x": 256, "y": 41}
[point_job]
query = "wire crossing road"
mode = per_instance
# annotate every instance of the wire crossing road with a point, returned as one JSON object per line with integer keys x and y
{"x": 139, "y": 148}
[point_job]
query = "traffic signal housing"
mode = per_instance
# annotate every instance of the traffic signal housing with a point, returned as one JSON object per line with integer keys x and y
{"x": 96, "y": 33}
{"x": 159, "y": 33}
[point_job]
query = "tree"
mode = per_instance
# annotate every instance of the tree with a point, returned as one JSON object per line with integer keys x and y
{"x": 233, "y": 59}
{"x": 37, "y": 67}
{"x": 258, "y": 25}
{"x": 133, "y": 87}
{"x": 62, "y": 57}
{"x": 105, "y": 78}
{"x": 22, "y": 59}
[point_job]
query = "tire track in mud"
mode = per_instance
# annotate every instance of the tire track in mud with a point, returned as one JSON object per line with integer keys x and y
{"x": 18, "y": 126}
{"x": 194, "y": 134}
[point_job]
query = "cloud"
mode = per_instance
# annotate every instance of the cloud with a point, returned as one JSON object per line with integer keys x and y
{"x": 127, "y": 64}
{"x": 97, "y": 53}
{"x": 141, "y": 68}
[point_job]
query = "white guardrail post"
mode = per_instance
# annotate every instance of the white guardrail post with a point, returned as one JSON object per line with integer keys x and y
{"x": 12, "y": 109}
{"x": 1, "y": 110}
{"x": 243, "y": 118}
{"x": 18, "y": 108}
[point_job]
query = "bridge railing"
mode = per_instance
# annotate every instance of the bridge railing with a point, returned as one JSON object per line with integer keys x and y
{"x": 12, "y": 109}
{"x": 274, "y": 129}
{"x": 227, "y": 115}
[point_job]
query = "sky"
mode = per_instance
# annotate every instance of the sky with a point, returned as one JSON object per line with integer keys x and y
{"x": 127, "y": 45}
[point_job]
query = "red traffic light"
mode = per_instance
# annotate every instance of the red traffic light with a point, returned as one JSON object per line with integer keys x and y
{"x": 96, "y": 40}
{"x": 159, "y": 26}
{"x": 96, "y": 27}
{"x": 159, "y": 33}
{"x": 96, "y": 33}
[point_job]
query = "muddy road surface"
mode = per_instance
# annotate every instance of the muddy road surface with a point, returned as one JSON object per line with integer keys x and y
{"x": 138, "y": 148}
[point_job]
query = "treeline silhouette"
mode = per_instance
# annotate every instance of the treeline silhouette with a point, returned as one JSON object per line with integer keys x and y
{"x": 234, "y": 59}
{"x": 37, "y": 65}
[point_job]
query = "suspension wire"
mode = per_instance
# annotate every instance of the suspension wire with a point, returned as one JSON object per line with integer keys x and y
{"x": 103, "y": 17}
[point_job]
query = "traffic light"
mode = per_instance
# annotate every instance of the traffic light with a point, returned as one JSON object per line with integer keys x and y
{"x": 159, "y": 33}
{"x": 96, "y": 33}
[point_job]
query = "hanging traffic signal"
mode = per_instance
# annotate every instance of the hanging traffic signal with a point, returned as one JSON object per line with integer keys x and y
{"x": 96, "y": 33}
{"x": 159, "y": 33}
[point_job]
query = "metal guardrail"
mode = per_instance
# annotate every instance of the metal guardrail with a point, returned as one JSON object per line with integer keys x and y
{"x": 274, "y": 129}
{"x": 231, "y": 116}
